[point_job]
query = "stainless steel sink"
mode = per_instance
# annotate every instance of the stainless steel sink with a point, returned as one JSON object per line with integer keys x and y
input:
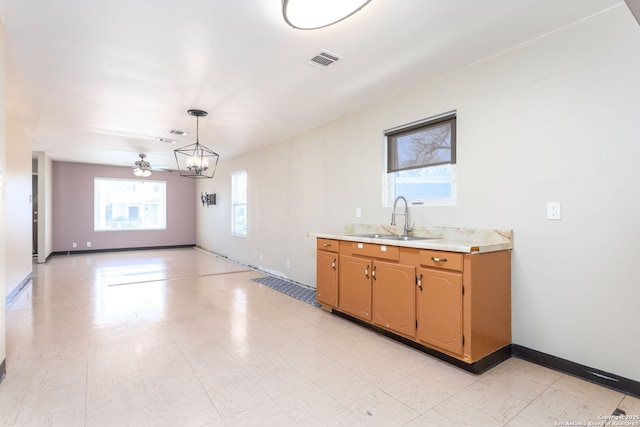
{"x": 407, "y": 238}
{"x": 392, "y": 237}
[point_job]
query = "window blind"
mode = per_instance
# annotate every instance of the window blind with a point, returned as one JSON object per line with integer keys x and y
{"x": 422, "y": 144}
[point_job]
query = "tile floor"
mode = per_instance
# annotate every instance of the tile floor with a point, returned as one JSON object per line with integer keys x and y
{"x": 183, "y": 338}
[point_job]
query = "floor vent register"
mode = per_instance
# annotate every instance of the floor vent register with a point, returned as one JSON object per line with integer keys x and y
{"x": 294, "y": 290}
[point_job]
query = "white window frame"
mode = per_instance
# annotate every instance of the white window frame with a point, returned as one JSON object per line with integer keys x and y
{"x": 239, "y": 205}
{"x": 101, "y": 223}
{"x": 389, "y": 179}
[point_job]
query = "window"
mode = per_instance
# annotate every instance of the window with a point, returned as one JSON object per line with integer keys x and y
{"x": 127, "y": 204}
{"x": 421, "y": 161}
{"x": 239, "y": 203}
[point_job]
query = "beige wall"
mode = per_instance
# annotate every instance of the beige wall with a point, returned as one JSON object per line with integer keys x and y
{"x": 18, "y": 183}
{"x": 3, "y": 150}
{"x": 555, "y": 119}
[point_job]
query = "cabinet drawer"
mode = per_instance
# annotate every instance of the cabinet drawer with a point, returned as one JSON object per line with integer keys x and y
{"x": 376, "y": 251}
{"x": 439, "y": 259}
{"x": 327, "y": 244}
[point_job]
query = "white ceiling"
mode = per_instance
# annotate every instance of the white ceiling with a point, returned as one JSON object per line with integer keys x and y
{"x": 99, "y": 81}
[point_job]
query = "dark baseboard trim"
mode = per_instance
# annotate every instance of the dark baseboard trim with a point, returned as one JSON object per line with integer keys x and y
{"x": 607, "y": 379}
{"x": 476, "y": 367}
{"x": 3, "y": 370}
{"x": 144, "y": 248}
{"x": 14, "y": 293}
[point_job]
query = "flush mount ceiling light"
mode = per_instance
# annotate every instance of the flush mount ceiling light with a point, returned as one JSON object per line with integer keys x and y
{"x": 143, "y": 168}
{"x": 195, "y": 160}
{"x": 313, "y": 14}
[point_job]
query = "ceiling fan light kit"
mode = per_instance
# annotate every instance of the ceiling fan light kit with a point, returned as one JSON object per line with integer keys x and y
{"x": 196, "y": 161}
{"x": 143, "y": 168}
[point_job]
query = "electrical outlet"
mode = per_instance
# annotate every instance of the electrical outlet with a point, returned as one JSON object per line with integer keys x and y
{"x": 261, "y": 257}
{"x": 554, "y": 210}
{"x": 358, "y": 213}
{"x": 288, "y": 263}
{"x": 88, "y": 244}
{"x": 74, "y": 244}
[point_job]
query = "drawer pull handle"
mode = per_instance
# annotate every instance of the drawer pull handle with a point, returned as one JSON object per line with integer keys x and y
{"x": 333, "y": 264}
{"x": 436, "y": 259}
{"x": 420, "y": 283}
{"x": 373, "y": 273}
{"x": 326, "y": 245}
{"x": 366, "y": 272}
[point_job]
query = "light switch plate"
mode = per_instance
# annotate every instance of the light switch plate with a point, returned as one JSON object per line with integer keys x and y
{"x": 554, "y": 210}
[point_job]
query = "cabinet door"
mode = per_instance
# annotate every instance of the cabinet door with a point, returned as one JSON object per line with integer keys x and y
{"x": 354, "y": 292}
{"x": 327, "y": 278}
{"x": 439, "y": 305}
{"x": 393, "y": 300}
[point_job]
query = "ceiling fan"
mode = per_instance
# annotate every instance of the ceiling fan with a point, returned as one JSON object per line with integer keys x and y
{"x": 143, "y": 168}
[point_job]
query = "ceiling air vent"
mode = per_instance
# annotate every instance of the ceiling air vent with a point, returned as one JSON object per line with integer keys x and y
{"x": 324, "y": 59}
{"x": 178, "y": 132}
{"x": 166, "y": 140}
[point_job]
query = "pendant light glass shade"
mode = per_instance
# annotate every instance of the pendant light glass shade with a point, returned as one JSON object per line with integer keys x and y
{"x": 195, "y": 160}
{"x": 313, "y": 14}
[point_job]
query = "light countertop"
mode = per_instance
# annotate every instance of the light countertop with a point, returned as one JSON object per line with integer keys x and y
{"x": 465, "y": 240}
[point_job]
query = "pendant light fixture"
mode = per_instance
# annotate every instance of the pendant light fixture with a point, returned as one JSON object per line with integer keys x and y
{"x": 195, "y": 160}
{"x": 314, "y": 14}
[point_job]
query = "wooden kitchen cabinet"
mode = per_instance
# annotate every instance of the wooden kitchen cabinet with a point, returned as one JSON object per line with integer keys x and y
{"x": 439, "y": 309}
{"x": 393, "y": 299}
{"x": 355, "y": 286}
{"x": 453, "y": 304}
{"x": 327, "y": 273}
{"x": 374, "y": 286}
{"x": 464, "y": 307}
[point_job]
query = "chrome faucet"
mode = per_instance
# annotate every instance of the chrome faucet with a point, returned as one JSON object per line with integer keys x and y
{"x": 407, "y": 229}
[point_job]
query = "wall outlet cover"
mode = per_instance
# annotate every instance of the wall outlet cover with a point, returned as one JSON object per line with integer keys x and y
{"x": 554, "y": 210}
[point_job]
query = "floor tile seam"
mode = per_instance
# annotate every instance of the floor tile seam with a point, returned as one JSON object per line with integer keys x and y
{"x": 172, "y": 279}
{"x": 293, "y": 390}
{"x": 236, "y": 413}
{"x": 321, "y": 390}
{"x": 621, "y": 400}
{"x": 17, "y": 409}
{"x": 312, "y": 378}
{"x": 142, "y": 378}
{"x": 149, "y": 400}
{"x": 86, "y": 389}
{"x": 209, "y": 397}
{"x": 599, "y": 403}
{"x": 504, "y": 421}
{"x": 445, "y": 391}
{"x": 538, "y": 397}
{"x": 503, "y": 387}
{"x": 516, "y": 374}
